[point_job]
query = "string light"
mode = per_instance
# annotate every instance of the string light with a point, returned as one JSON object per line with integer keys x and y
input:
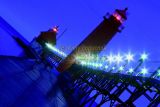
{"x": 92, "y": 63}
{"x": 55, "y": 50}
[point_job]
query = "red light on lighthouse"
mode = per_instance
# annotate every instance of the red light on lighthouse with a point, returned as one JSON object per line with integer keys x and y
{"x": 118, "y": 17}
{"x": 55, "y": 29}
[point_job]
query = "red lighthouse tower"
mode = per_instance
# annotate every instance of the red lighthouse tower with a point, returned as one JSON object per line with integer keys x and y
{"x": 97, "y": 39}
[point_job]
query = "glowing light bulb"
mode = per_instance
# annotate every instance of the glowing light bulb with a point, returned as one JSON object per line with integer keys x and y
{"x": 158, "y": 73}
{"x": 110, "y": 58}
{"x": 144, "y": 71}
{"x": 121, "y": 68}
{"x": 106, "y": 67}
{"x": 129, "y": 57}
{"x": 113, "y": 68}
{"x": 144, "y": 56}
{"x": 118, "y": 17}
{"x": 83, "y": 63}
{"x": 118, "y": 58}
{"x": 55, "y": 29}
{"x": 130, "y": 70}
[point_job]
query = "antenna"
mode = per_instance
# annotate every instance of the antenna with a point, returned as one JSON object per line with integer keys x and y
{"x": 62, "y": 34}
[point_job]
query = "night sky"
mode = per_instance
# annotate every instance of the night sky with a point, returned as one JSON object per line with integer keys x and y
{"x": 80, "y": 17}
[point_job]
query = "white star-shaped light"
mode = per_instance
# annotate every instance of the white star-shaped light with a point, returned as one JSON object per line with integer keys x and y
{"x": 110, "y": 58}
{"x": 118, "y": 58}
{"x": 131, "y": 70}
{"x": 106, "y": 67}
{"x": 144, "y": 56}
{"x": 121, "y": 68}
{"x": 129, "y": 57}
{"x": 144, "y": 71}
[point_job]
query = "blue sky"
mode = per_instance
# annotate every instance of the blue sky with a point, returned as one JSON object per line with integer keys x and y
{"x": 80, "y": 17}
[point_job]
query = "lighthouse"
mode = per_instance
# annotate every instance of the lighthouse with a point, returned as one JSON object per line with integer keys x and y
{"x": 96, "y": 41}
